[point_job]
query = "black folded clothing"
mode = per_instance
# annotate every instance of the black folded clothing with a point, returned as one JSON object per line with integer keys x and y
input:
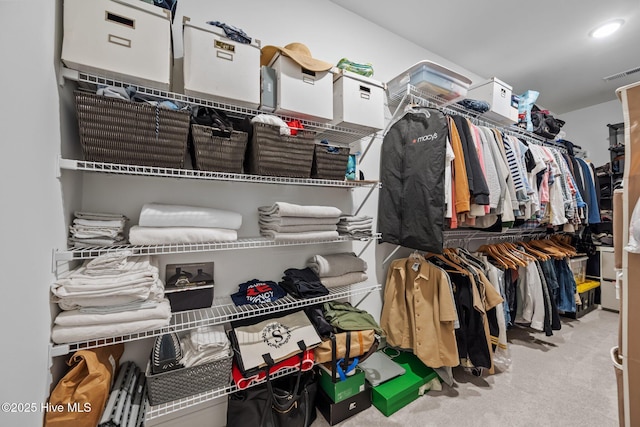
{"x": 303, "y": 283}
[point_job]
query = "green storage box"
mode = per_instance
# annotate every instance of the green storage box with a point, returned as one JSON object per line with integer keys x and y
{"x": 396, "y": 393}
{"x": 341, "y": 390}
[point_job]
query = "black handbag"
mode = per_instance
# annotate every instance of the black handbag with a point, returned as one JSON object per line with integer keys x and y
{"x": 544, "y": 124}
{"x": 283, "y": 402}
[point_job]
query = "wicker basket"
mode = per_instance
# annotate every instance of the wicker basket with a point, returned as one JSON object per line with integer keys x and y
{"x": 118, "y": 131}
{"x": 330, "y": 162}
{"x": 173, "y": 385}
{"x": 216, "y": 153}
{"x": 280, "y": 155}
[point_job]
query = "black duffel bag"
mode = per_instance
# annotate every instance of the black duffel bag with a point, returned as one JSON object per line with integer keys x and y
{"x": 544, "y": 124}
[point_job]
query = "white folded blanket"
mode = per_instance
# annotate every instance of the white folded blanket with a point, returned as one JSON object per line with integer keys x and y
{"x": 208, "y": 336}
{"x": 161, "y": 310}
{"x": 289, "y": 221}
{"x": 292, "y": 237}
{"x": 138, "y": 305}
{"x": 179, "y": 235}
{"x": 336, "y": 264}
{"x": 344, "y": 280}
{"x": 159, "y": 215}
{"x": 297, "y": 228}
{"x": 66, "y": 334}
{"x": 111, "y": 260}
{"x": 155, "y": 293}
{"x": 98, "y": 232}
{"x": 289, "y": 209}
{"x": 352, "y": 218}
{"x": 350, "y": 228}
{"x": 205, "y": 345}
{"x": 97, "y": 241}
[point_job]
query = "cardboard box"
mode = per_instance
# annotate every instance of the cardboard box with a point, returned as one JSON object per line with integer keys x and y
{"x": 338, "y": 412}
{"x": 125, "y": 40}
{"x": 189, "y": 286}
{"x": 218, "y": 68}
{"x": 341, "y": 390}
{"x": 498, "y": 94}
{"x": 391, "y": 396}
{"x": 358, "y": 102}
{"x": 303, "y": 93}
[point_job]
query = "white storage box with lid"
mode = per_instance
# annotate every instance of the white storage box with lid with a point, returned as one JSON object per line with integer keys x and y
{"x": 302, "y": 93}
{"x": 219, "y": 68}
{"x": 432, "y": 78}
{"x": 126, "y": 40}
{"x": 498, "y": 94}
{"x": 358, "y": 102}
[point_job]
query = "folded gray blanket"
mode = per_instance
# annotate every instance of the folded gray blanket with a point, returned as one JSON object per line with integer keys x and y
{"x": 303, "y": 236}
{"x": 296, "y": 220}
{"x": 296, "y": 228}
{"x": 336, "y": 264}
{"x": 289, "y": 209}
{"x": 344, "y": 280}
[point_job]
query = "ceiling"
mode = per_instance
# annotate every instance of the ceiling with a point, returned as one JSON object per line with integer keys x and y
{"x": 542, "y": 46}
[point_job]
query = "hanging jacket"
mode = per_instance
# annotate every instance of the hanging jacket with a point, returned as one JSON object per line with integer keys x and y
{"x": 411, "y": 205}
{"x": 477, "y": 183}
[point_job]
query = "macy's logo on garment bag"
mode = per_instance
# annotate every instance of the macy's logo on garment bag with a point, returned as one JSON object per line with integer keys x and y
{"x": 424, "y": 138}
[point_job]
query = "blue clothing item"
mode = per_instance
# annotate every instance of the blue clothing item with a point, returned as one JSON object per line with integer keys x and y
{"x": 593, "y": 208}
{"x": 257, "y": 292}
{"x": 567, "y": 287}
{"x": 234, "y": 33}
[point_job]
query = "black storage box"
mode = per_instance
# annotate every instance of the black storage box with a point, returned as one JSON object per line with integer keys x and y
{"x": 338, "y": 412}
{"x": 189, "y": 286}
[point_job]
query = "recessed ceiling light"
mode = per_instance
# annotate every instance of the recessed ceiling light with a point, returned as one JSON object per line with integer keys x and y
{"x": 606, "y": 29}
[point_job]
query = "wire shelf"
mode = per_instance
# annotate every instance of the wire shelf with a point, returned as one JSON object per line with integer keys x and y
{"x": 222, "y": 311}
{"x": 245, "y": 243}
{"x": 122, "y": 169}
{"x": 411, "y": 94}
{"x": 337, "y": 134}
{"x": 153, "y": 412}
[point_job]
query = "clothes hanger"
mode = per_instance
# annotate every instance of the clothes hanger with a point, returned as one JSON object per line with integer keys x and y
{"x": 506, "y": 252}
{"x": 489, "y": 250}
{"x": 537, "y": 253}
{"x": 445, "y": 260}
{"x": 519, "y": 252}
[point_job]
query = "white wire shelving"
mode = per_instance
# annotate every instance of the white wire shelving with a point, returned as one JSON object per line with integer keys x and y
{"x": 244, "y": 243}
{"x": 410, "y": 94}
{"x": 335, "y": 134}
{"x": 223, "y": 310}
{"x": 123, "y": 169}
{"x": 157, "y": 411}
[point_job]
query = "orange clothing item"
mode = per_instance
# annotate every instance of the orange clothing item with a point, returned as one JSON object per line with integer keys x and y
{"x": 460, "y": 182}
{"x": 419, "y": 312}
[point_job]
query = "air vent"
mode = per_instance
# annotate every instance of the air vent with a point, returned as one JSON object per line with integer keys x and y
{"x": 622, "y": 74}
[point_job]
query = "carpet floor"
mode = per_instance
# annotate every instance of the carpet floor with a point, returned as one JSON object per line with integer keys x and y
{"x": 564, "y": 380}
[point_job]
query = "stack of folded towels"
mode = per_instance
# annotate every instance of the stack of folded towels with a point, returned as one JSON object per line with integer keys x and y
{"x": 355, "y": 226}
{"x": 175, "y": 224}
{"x": 205, "y": 344}
{"x": 289, "y": 222}
{"x": 109, "y": 296}
{"x": 97, "y": 229}
{"x": 339, "y": 269}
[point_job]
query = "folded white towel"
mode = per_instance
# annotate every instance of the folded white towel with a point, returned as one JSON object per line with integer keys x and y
{"x": 159, "y": 215}
{"x": 336, "y": 264}
{"x": 289, "y": 209}
{"x": 97, "y": 241}
{"x": 131, "y": 295}
{"x": 179, "y": 235}
{"x": 208, "y": 336}
{"x": 288, "y": 221}
{"x": 193, "y": 357}
{"x": 98, "y": 232}
{"x": 67, "y": 334}
{"x": 297, "y": 228}
{"x": 304, "y": 236}
{"x": 138, "y": 305}
{"x": 100, "y": 216}
{"x": 111, "y": 260}
{"x": 344, "y": 280}
{"x": 99, "y": 223}
{"x": 161, "y": 310}
{"x": 352, "y": 218}
{"x": 350, "y": 228}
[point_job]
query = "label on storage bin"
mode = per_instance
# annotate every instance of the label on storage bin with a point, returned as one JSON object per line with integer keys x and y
{"x": 224, "y": 46}
{"x": 362, "y": 387}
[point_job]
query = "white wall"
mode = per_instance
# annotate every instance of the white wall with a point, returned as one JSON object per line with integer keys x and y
{"x": 587, "y": 127}
{"x": 31, "y": 218}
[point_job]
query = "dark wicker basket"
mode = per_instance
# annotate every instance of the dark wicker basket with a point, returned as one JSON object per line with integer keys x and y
{"x": 330, "y": 162}
{"x": 184, "y": 382}
{"x": 217, "y": 153}
{"x": 118, "y": 131}
{"x": 280, "y": 155}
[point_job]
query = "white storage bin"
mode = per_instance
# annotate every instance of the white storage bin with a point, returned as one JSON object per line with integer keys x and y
{"x": 303, "y": 93}
{"x": 121, "y": 39}
{"x": 358, "y": 102}
{"x": 218, "y": 68}
{"x": 433, "y": 79}
{"x": 498, "y": 94}
{"x": 607, "y": 264}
